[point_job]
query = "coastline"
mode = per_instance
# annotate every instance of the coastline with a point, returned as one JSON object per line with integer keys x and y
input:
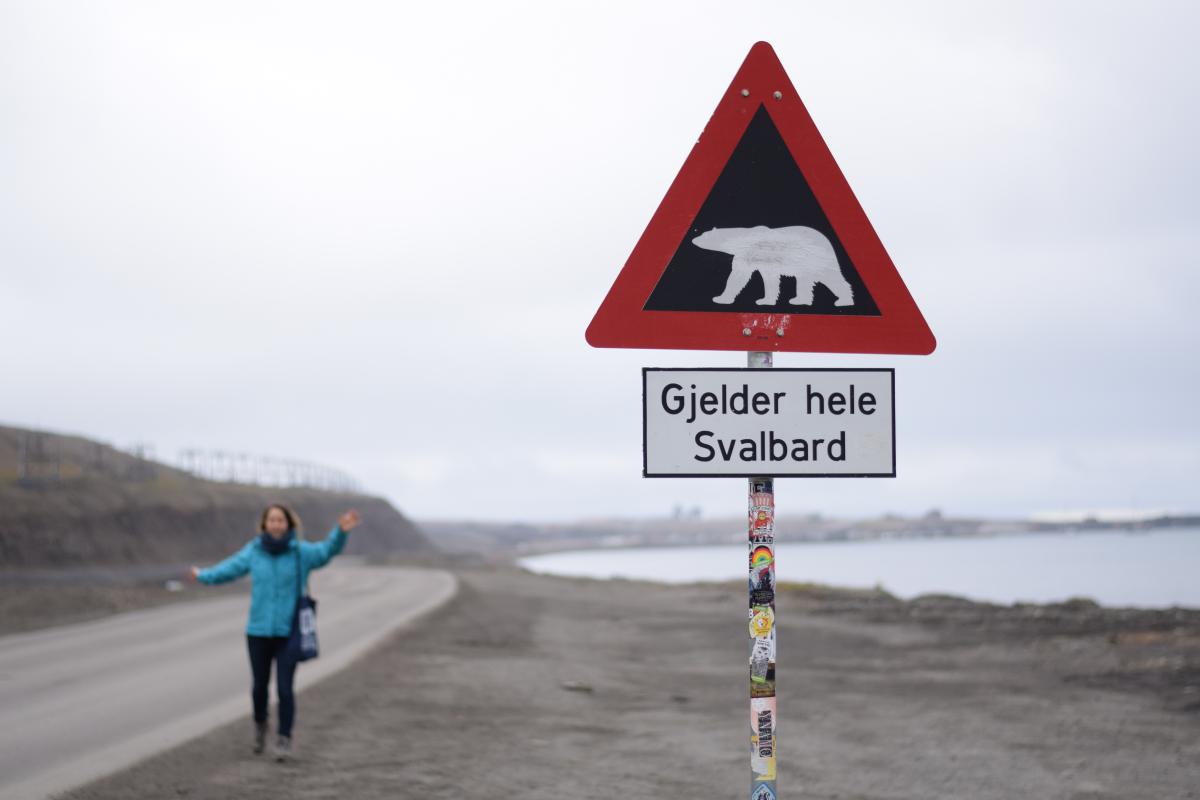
{"x": 31, "y": 599}
{"x": 1117, "y": 569}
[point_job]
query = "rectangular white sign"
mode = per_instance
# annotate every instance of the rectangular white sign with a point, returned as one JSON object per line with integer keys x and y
{"x": 816, "y": 423}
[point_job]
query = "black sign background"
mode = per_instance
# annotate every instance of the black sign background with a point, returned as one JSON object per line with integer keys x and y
{"x": 761, "y": 185}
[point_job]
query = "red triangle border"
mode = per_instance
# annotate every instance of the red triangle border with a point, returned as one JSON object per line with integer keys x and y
{"x": 621, "y": 320}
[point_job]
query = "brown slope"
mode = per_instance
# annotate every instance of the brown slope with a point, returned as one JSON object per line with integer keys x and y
{"x": 83, "y": 503}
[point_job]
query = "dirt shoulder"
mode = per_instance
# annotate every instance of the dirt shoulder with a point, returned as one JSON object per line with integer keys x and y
{"x": 538, "y": 687}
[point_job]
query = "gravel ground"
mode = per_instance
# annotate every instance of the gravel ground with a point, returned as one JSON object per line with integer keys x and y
{"x": 537, "y": 687}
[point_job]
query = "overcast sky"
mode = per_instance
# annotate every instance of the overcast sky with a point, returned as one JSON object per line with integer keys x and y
{"x": 372, "y": 237}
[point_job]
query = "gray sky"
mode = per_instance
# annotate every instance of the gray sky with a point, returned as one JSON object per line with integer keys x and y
{"x": 372, "y": 237}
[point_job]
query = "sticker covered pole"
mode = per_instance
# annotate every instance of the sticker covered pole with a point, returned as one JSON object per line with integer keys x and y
{"x": 763, "y": 709}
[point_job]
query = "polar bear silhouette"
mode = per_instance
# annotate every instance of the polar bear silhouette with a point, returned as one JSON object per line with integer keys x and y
{"x": 796, "y": 252}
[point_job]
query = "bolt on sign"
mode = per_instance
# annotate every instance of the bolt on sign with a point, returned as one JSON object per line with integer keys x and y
{"x": 761, "y": 246}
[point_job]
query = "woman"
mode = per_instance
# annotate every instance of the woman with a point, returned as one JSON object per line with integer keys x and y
{"x": 276, "y": 559}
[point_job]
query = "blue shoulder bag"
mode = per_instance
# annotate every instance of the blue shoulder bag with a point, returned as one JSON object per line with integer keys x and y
{"x": 302, "y": 644}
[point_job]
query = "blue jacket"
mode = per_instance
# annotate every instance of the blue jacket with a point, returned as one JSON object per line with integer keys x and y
{"x": 273, "y": 589}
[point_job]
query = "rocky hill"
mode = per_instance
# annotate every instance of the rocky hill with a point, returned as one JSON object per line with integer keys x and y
{"x": 68, "y": 501}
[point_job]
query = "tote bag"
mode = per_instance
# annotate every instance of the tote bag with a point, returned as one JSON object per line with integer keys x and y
{"x": 302, "y": 644}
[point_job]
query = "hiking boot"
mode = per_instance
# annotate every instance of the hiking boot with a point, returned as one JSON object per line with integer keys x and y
{"x": 283, "y": 748}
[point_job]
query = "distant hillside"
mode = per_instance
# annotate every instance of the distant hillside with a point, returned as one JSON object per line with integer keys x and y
{"x": 505, "y": 540}
{"x": 70, "y": 501}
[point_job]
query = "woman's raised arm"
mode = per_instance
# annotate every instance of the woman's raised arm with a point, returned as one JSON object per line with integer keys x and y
{"x": 318, "y": 554}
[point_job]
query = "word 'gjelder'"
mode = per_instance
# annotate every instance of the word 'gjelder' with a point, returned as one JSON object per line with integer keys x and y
{"x": 740, "y": 401}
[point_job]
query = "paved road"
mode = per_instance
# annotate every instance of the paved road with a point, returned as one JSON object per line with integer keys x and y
{"x": 81, "y": 701}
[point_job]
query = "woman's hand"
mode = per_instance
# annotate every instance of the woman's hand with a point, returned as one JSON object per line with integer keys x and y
{"x": 193, "y": 574}
{"x": 349, "y": 520}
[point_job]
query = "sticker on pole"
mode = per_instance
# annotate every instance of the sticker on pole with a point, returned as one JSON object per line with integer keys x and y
{"x": 811, "y": 423}
{"x": 760, "y": 244}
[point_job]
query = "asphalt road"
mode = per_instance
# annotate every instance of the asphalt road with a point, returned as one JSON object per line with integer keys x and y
{"x": 81, "y": 701}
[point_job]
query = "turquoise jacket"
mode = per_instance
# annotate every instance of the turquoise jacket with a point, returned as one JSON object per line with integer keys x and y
{"x": 273, "y": 588}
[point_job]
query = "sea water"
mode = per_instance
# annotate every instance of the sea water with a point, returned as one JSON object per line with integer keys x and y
{"x": 1155, "y": 568}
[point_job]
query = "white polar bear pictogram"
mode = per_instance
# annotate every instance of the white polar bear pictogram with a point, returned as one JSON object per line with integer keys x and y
{"x": 796, "y": 251}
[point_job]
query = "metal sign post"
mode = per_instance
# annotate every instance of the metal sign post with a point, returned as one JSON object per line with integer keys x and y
{"x": 764, "y": 715}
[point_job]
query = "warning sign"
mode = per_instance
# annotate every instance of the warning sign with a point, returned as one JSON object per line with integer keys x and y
{"x": 780, "y": 422}
{"x": 760, "y": 244}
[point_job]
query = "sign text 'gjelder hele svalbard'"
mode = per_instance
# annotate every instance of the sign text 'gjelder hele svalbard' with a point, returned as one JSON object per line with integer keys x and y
{"x": 781, "y": 422}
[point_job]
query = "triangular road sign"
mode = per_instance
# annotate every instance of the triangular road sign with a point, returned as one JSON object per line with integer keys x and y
{"x": 760, "y": 244}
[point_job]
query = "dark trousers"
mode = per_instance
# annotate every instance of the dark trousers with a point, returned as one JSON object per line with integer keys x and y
{"x": 264, "y": 650}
